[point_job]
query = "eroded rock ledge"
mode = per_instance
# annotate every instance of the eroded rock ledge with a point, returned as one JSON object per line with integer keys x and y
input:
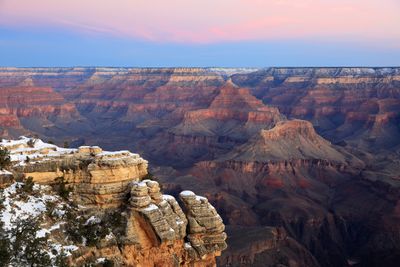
{"x": 158, "y": 230}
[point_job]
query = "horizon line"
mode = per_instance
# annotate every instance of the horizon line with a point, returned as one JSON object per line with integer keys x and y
{"x": 195, "y": 67}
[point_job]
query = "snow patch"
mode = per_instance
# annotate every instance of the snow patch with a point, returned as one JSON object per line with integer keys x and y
{"x": 151, "y": 207}
{"x": 92, "y": 220}
{"x": 187, "y": 193}
{"x": 5, "y": 172}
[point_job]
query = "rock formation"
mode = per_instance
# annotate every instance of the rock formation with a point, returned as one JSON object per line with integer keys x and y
{"x": 206, "y": 230}
{"x": 156, "y": 230}
{"x": 344, "y": 103}
{"x": 290, "y": 140}
{"x": 233, "y": 113}
{"x": 99, "y": 177}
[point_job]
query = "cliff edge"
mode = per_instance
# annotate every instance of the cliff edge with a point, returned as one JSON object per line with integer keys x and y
{"x": 89, "y": 206}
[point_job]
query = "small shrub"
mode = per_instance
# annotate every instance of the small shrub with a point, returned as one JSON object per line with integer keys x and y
{"x": 5, "y": 159}
{"x": 61, "y": 188}
{"x": 27, "y": 187}
{"x": 61, "y": 260}
{"x": 73, "y": 226}
{"x": 77, "y": 228}
{"x": 66, "y": 144}
{"x": 27, "y": 249}
{"x": 31, "y": 142}
{"x": 115, "y": 221}
{"x": 5, "y": 253}
{"x": 108, "y": 263}
{"x": 50, "y": 207}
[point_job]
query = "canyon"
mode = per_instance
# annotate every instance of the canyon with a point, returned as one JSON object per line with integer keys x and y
{"x": 302, "y": 164}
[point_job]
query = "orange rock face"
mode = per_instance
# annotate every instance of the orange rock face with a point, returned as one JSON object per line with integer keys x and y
{"x": 39, "y": 103}
{"x": 233, "y": 103}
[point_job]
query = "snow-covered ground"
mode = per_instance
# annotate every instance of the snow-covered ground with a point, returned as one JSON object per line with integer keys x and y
{"x": 34, "y": 149}
{"x": 18, "y": 206}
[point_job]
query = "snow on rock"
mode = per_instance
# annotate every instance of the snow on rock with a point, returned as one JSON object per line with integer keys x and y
{"x": 19, "y": 209}
{"x": 42, "y": 233}
{"x": 200, "y": 198}
{"x": 151, "y": 207}
{"x": 92, "y": 220}
{"x": 26, "y": 149}
{"x": 19, "y": 205}
{"x": 100, "y": 260}
{"x": 5, "y": 172}
{"x": 168, "y": 197}
{"x": 187, "y": 193}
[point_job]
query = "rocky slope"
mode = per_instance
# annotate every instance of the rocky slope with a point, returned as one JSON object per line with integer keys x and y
{"x": 359, "y": 105}
{"x": 287, "y": 140}
{"x": 266, "y": 246}
{"x": 232, "y": 118}
{"x": 136, "y": 224}
{"x": 305, "y": 150}
{"x": 285, "y": 177}
{"x": 35, "y": 108}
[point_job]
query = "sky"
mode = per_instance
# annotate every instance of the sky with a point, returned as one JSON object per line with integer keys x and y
{"x": 203, "y": 33}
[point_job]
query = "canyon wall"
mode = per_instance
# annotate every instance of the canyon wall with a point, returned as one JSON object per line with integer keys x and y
{"x": 311, "y": 151}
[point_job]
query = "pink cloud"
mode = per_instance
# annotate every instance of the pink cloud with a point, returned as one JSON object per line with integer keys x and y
{"x": 212, "y": 20}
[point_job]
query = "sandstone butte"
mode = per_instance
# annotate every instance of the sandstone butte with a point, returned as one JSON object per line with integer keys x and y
{"x": 158, "y": 232}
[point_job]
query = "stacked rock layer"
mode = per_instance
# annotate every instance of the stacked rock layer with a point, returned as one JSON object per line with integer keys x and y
{"x": 157, "y": 231}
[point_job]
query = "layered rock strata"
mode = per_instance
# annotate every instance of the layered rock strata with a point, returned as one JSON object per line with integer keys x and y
{"x": 204, "y": 233}
{"x": 98, "y": 177}
{"x": 156, "y": 230}
{"x": 206, "y": 229}
{"x": 39, "y": 108}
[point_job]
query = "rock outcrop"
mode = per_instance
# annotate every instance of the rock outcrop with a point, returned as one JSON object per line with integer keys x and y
{"x": 205, "y": 226}
{"x": 156, "y": 230}
{"x": 162, "y": 211}
{"x": 98, "y": 177}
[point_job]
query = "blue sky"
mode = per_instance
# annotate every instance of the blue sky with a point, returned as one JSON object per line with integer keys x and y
{"x": 25, "y": 48}
{"x": 227, "y": 33}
